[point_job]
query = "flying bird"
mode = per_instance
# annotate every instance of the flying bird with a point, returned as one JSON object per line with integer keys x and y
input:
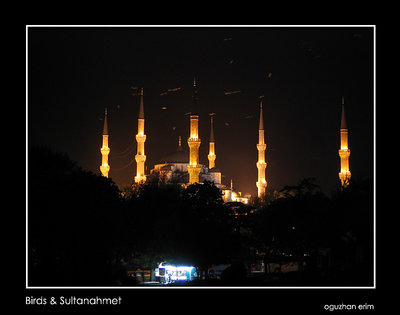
{"x": 174, "y": 90}
{"x": 228, "y": 38}
{"x": 163, "y": 93}
{"x": 231, "y": 92}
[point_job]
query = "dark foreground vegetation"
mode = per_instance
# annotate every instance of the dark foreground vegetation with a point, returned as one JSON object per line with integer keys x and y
{"x": 84, "y": 231}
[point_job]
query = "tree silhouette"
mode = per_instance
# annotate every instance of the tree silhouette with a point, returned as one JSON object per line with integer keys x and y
{"x": 73, "y": 222}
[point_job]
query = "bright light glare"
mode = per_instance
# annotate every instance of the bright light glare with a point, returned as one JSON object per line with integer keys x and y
{"x": 176, "y": 268}
{"x": 178, "y": 272}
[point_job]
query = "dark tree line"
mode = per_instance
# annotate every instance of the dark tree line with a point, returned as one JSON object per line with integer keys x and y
{"x": 299, "y": 223}
{"x": 73, "y": 221}
{"x": 83, "y": 230}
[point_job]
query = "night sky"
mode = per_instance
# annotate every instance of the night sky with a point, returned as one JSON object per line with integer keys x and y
{"x": 303, "y": 72}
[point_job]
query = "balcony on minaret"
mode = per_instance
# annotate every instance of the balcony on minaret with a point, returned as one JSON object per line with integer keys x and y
{"x": 105, "y": 150}
{"x": 140, "y": 137}
{"x": 261, "y": 147}
{"x": 140, "y": 158}
{"x": 344, "y": 153}
{"x": 261, "y": 164}
{"x": 194, "y": 140}
{"x": 211, "y": 158}
{"x": 262, "y": 183}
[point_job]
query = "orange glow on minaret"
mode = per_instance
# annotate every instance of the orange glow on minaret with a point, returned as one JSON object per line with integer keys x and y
{"x": 211, "y": 155}
{"x": 261, "y": 164}
{"x": 344, "y": 151}
{"x": 140, "y": 157}
{"x": 194, "y": 142}
{"x": 105, "y": 150}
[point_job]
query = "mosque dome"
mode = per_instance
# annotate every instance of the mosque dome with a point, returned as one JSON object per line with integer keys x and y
{"x": 179, "y": 156}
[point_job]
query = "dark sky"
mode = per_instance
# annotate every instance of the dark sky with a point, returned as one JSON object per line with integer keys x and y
{"x": 74, "y": 72}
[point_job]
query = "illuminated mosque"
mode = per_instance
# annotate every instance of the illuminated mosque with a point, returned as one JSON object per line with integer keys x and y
{"x": 184, "y": 167}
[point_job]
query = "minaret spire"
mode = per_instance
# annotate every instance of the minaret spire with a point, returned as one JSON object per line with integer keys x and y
{"x": 140, "y": 157}
{"x": 261, "y": 125}
{"x": 195, "y": 96}
{"x": 344, "y": 151}
{"x": 211, "y": 155}
{"x": 105, "y": 150}
{"x": 343, "y": 123}
{"x": 261, "y": 164}
{"x": 105, "y": 127}
{"x": 141, "y": 108}
{"x": 194, "y": 141}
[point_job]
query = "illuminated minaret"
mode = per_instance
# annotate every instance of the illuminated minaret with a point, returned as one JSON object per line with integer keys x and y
{"x": 105, "y": 150}
{"x": 140, "y": 139}
{"x": 211, "y": 155}
{"x": 194, "y": 141}
{"x": 261, "y": 164}
{"x": 344, "y": 151}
